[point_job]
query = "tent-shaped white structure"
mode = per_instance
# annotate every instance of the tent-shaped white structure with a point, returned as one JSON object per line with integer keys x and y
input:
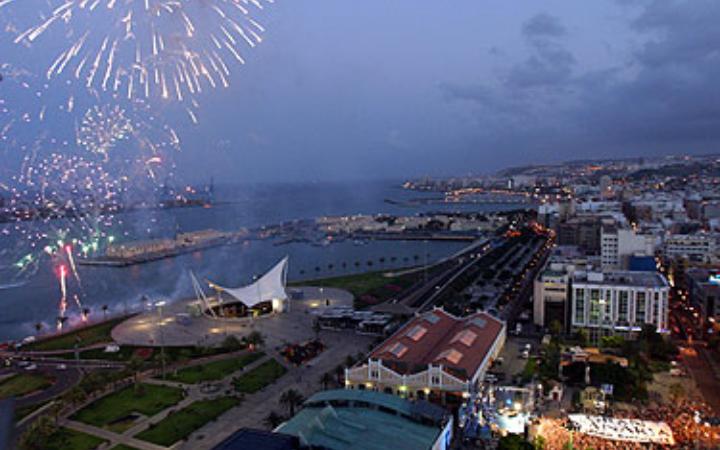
{"x": 269, "y": 288}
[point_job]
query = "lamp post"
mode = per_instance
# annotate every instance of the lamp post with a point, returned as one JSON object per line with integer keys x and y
{"x": 159, "y": 306}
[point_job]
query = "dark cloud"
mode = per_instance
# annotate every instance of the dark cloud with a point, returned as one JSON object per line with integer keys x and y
{"x": 543, "y": 25}
{"x": 665, "y": 98}
{"x": 549, "y": 65}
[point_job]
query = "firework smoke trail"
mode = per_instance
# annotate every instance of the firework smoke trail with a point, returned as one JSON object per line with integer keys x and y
{"x": 71, "y": 260}
{"x": 166, "y": 49}
{"x": 79, "y": 304}
{"x": 63, "y": 295}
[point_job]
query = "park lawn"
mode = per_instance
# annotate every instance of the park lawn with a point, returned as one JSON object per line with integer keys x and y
{"x": 22, "y": 384}
{"x": 24, "y": 411}
{"x": 83, "y": 337}
{"x": 67, "y": 439}
{"x": 127, "y": 352}
{"x": 358, "y": 284}
{"x": 261, "y": 376}
{"x": 179, "y": 425}
{"x": 118, "y": 405}
{"x": 213, "y": 371}
{"x": 123, "y": 447}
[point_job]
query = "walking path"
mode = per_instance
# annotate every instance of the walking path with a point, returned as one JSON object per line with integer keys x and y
{"x": 304, "y": 379}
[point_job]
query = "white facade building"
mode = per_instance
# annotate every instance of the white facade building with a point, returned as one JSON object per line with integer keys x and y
{"x": 617, "y": 245}
{"x": 619, "y": 302}
{"x": 696, "y": 247}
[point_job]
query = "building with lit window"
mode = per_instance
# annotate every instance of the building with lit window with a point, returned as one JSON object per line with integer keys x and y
{"x": 435, "y": 356}
{"x": 619, "y": 302}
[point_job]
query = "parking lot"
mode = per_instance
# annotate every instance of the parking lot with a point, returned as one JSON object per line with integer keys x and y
{"x": 512, "y": 360}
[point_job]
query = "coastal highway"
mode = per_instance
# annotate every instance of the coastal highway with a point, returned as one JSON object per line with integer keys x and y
{"x": 423, "y": 296}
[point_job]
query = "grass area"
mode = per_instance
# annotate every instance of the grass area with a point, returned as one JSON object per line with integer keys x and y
{"x": 369, "y": 287}
{"x": 181, "y": 424}
{"x": 22, "y": 384}
{"x": 215, "y": 370}
{"x": 123, "y": 447}
{"x": 127, "y": 352}
{"x": 24, "y": 411}
{"x": 67, "y": 439}
{"x": 147, "y": 399}
{"x": 93, "y": 334}
{"x": 261, "y": 376}
{"x": 358, "y": 284}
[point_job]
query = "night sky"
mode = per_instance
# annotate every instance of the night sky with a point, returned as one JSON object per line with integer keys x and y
{"x": 348, "y": 89}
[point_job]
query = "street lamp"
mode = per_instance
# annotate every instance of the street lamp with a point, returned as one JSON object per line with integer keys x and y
{"x": 159, "y": 305}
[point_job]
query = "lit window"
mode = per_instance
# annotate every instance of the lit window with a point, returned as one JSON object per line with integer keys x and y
{"x": 467, "y": 337}
{"x": 416, "y": 333}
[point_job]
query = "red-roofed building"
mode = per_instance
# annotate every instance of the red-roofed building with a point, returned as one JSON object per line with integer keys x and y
{"x": 434, "y": 356}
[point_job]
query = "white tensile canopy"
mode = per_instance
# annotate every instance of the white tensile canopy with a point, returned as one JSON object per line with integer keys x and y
{"x": 270, "y": 286}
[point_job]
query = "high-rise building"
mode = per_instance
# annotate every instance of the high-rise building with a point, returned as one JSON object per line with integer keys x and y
{"x": 619, "y": 302}
{"x": 617, "y": 245}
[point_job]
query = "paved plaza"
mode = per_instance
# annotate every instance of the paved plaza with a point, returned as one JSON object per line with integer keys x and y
{"x": 161, "y": 326}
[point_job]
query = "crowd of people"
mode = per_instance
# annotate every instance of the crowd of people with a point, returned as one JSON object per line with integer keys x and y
{"x": 623, "y": 429}
{"x": 688, "y": 420}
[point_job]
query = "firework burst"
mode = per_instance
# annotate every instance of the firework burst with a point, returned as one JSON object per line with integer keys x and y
{"x": 168, "y": 49}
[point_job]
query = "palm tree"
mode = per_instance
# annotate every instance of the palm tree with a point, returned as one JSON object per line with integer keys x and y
{"x": 104, "y": 310}
{"x": 316, "y": 328}
{"x": 86, "y": 312}
{"x": 339, "y": 373}
{"x": 273, "y": 419}
{"x": 61, "y": 321}
{"x": 291, "y": 399}
{"x": 76, "y": 396}
{"x": 38, "y": 327}
{"x": 325, "y": 380}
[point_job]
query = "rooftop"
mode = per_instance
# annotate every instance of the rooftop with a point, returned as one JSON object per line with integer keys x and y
{"x": 438, "y": 337}
{"x": 364, "y": 420}
{"x": 650, "y": 279}
{"x": 245, "y": 439}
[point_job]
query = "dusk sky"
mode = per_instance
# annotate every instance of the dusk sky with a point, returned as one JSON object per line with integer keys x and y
{"x": 377, "y": 89}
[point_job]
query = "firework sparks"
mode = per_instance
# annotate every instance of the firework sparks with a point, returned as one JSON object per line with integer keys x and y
{"x": 168, "y": 49}
{"x": 102, "y": 128}
{"x": 62, "y": 275}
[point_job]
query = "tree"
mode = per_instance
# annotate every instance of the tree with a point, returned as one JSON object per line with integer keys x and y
{"x": 273, "y": 419}
{"x": 556, "y": 328}
{"x": 339, "y": 373}
{"x": 76, "y": 396}
{"x": 316, "y": 328}
{"x": 232, "y": 343}
{"x": 326, "y": 379}
{"x": 255, "y": 339}
{"x": 583, "y": 336}
{"x": 539, "y": 443}
{"x": 134, "y": 365}
{"x": 38, "y": 327}
{"x": 104, "y": 310}
{"x": 38, "y": 434}
{"x": 291, "y": 399}
{"x": 513, "y": 442}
